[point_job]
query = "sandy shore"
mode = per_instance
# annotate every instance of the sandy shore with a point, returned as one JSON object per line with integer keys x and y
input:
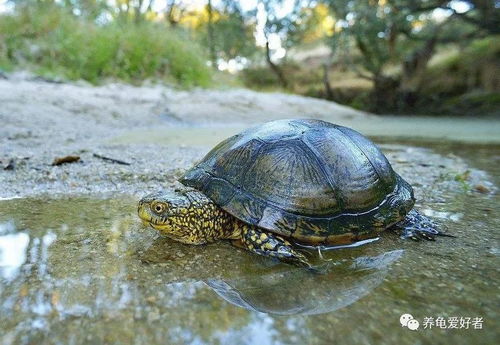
{"x": 159, "y": 131}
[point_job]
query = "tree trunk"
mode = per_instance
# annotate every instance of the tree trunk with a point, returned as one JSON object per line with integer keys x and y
{"x": 275, "y": 68}
{"x": 384, "y": 94}
{"x": 150, "y": 6}
{"x": 170, "y": 13}
{"x": 210, "y": 33}
{"x": 326, "y": 81}
{"x": 414, "y": 68}
{"x": 138, "y": 13}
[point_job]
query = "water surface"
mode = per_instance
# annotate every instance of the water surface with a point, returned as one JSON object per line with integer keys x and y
{"x": 82, "y": 270}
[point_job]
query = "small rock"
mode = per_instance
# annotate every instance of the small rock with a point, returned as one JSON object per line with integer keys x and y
{"x": 11, "y": 165}
{"x": 151, "y": 299}
{"x": 65, "y": 159}
{"x": 153, "y": 316}
{"x": 482, "y": 188}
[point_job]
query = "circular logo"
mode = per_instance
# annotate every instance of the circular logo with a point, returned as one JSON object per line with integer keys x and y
{"x": 404, "y": 319}
{"x": 413, "y": 325}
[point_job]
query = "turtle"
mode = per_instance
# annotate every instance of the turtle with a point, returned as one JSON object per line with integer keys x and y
{"x": 282, "y": 185}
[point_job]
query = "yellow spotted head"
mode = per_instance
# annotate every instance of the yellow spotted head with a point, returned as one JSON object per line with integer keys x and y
{"x": 168, "y": 212}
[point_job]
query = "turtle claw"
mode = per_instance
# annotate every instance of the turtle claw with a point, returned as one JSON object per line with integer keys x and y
{"x": 320, "y": 254}
{"x": 269, "y": 244}
{"x": 418, "y": 227}
{"x": 316, "y": 270}
{"x": 417, "y": 234}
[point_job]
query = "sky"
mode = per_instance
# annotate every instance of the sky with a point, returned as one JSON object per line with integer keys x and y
{"x": 3, "y": 5}
{"x": 246, "y": 5}
{"x": 457, "y": 5}
{"x": 160, "y": 4}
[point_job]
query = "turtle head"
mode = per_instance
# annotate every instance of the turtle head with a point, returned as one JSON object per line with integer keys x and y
{"x": 172, "y": 214}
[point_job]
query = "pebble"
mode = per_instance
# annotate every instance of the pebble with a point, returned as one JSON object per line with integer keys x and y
{"x": 482, "y": 188}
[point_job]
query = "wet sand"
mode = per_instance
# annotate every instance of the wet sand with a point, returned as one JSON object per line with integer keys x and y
{"x": 159, "y": 131}
{"x": 76, "y": 266}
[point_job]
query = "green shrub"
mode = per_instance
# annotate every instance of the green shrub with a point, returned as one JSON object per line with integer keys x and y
{"x": 474, "y": 68}
{"x": 259, "y": 77}
{"x": 50, "y": 40}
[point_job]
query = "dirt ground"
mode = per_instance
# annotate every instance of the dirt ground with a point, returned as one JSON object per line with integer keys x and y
{"x": 156, "y": 130}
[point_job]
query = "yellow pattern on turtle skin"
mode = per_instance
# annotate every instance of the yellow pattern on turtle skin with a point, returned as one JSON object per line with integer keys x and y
{"x": 306, "y": 226}
{"x": 201, "y": 221}
{"x": 268, "y": 246}
{"x": 272, "y": 245}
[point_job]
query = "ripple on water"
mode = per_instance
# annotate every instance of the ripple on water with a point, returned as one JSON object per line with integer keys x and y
{"x": 82, "y": 270}
{"x": 13, "y": 247}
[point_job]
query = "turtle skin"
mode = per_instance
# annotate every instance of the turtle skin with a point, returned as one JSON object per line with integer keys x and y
{"x": 315, "y": 182}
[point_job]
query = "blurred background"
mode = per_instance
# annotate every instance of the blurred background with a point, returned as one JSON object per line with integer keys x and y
{"x": 105, "y": 101}
{"x": 428, "y": 57}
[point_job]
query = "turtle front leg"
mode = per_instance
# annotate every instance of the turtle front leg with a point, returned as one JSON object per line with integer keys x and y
{"x": 268, "y": 244}
{"x": 417, "y": 226}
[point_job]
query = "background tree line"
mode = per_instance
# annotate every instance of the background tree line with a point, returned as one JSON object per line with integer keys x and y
{"x": 428, "y": 56}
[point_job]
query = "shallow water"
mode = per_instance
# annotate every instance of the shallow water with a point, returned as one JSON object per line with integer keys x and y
{"x": 451, "y": 129}
{"x": 83, "y": 270}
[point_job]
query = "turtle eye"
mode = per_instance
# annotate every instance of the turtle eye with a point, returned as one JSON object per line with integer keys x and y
{"x": 158, "y": 207}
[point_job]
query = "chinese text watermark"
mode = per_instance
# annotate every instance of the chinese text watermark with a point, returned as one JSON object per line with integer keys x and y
{"x": 452, "y": 322}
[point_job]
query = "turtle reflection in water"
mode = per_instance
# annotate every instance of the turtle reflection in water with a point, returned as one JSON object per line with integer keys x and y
{"x": 295, "y": 292}
{"x": 284, "y": 183}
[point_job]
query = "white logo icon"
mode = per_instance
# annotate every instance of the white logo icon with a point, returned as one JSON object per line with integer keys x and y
{"x": 413, "y": 325}
{"x": 407, "y": 320}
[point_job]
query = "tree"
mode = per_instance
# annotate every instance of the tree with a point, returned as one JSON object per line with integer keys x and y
{"x": 384, "y": 33}
{"x": 291, "y": 27}
{"x": 174, "y": 11}
{"x": 210, "y": 34}
{"x": 226, "y": 31}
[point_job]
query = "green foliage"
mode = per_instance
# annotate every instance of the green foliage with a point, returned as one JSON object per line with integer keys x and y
{"x": 382, "y": 53}
{"x": 463, "y": 180}
{"x": 51, "y": 40}
{"x": 232, "y": 36}
{"x": 471, "y": 104}
{"x": 466, "y": 82}
{"x": 474, "y": 68}
{"x": 372, "y": 29}
{"x": 259, "y": 77}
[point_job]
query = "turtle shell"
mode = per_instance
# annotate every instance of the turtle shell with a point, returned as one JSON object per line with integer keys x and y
{"x": 310, "y": 180}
